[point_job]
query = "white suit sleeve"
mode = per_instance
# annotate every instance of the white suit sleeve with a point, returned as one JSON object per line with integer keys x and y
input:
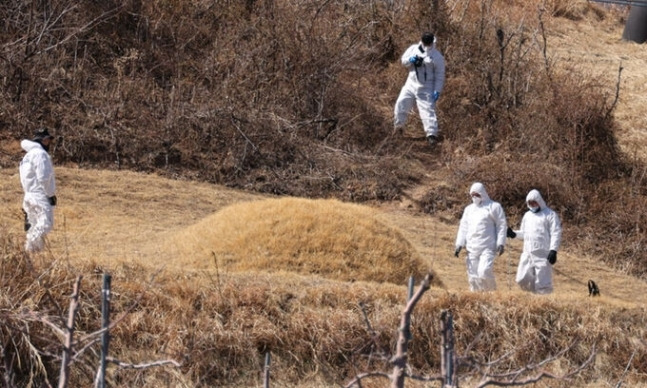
{"x": 461, "y": 236}
{"x": 519, "y": 232}
{"x": 45, "y": 175}
{"x": 500, "y": 223}
{"x": 411, "y": 51}
{"x": 439, "y": 76}
{"x": 555, "y": 231}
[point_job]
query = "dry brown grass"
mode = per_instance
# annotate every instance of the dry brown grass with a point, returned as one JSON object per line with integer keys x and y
{"x": 320, "y": 237}
{"x": 220, "y": 322}
{"x": 593, "y": 46}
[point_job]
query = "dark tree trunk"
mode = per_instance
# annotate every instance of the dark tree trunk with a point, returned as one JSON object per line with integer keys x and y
{"x": 636, "y": 26}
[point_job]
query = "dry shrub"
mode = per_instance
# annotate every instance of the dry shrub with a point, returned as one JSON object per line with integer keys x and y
{"x": 33, "y": 297}
{"x": 323, "y": 237}
{"x": 297, "y": 99}
{"x": 220, "y": 325}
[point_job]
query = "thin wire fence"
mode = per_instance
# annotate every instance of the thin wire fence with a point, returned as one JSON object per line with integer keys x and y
{"x": 635, "y": 3}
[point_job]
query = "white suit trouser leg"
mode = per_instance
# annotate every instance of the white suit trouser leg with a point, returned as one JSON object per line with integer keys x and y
{"x": 40, "y": 215}
{"x": 426, "y": 108}
{"x": 535, "y": 274}
{"x": 480, "y": 270}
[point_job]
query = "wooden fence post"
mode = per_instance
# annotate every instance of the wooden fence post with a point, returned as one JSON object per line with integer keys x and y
{"x": 69, "y": 337}
{"x": 447, "y": 356}
{"x": 266, "y": 377}
{"x": 105, "y": 324}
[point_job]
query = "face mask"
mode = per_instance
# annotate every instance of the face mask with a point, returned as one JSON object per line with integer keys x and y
{"x": 477, "y": 200}
{"x": 534, "y": 209}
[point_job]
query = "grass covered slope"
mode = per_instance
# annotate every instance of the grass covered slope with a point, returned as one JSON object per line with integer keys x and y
{"x": 312, "y": 237}
{"x": 309, "y": 111}
{"x": 219, "y": 323}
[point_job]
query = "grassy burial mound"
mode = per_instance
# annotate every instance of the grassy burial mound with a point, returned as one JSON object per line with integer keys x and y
{"x": 325, "y": 237}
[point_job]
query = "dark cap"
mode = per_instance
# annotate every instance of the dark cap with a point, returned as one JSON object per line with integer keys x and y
{"x": 427, "y": 38}
{"x": 42, "y": 134}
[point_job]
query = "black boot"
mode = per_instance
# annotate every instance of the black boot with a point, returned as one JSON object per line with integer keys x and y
{"x": 432, "y": 140}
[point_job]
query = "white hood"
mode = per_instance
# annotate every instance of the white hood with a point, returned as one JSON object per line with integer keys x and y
{"x": 480, "y": 189}
{"x": 29, "y": 145}
{"x": 534, "y": 195}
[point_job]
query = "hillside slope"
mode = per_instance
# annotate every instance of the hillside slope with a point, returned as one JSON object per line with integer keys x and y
{"x": 592, "y": 44}
{"x": 113, "y": 218}
{"x": 118, "y": 222}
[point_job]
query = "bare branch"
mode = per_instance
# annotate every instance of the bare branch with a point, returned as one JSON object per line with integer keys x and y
{"x": 399, "y": 361}
{"x": 88, "y": 26}
{"x": 146, "y": 365}
{"x": 67, "y": 350}
{"x": 540, "y": 375}
{"x": 358, "y": 378}
{"x": 617, "y": 95}
{"x": 624, "y": 373}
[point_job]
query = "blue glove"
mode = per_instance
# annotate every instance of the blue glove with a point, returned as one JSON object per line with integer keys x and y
{"x": 436, "y": 95}
{"x": 415, "y": 60}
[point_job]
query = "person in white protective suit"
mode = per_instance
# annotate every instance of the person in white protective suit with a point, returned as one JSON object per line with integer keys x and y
{"x": 39, "y": 185}
{"x": 424, "y": 85}
{"x": 482, "y": 231}
{"x": 541, "y": 232}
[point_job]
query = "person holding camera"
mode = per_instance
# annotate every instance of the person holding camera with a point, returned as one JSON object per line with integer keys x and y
{"x": 39, "y": 186}
{"x": 424, "y": 85}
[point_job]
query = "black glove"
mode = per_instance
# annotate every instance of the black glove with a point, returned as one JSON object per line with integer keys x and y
{"x": 27, "y": 224}
{"x": 511, "y": 233}
{"x": 52, "y": 200}
{"x": 500, "y": 249}
{"x": 552, "y": 257}
{"x": 457, "y": 251}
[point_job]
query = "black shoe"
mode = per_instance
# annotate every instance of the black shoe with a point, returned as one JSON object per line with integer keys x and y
{"x": 432, "y": 140}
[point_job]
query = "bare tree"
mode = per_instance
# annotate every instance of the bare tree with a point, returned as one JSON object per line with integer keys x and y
{"x": 73, "y": 349}
{"x": 450, "y": 362}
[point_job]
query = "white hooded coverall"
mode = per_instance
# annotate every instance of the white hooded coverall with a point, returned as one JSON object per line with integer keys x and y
{"x": 421, "y": 83}
{"x": 482, "y": 229}
{"x": 541, "y": 232}
{"x": 39, "y": 183}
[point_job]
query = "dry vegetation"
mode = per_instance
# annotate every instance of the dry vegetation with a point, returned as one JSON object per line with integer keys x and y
{"x": 301, "y": 236}
{"x": 254, "y": 95}
{"x": 219, "y": 322}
